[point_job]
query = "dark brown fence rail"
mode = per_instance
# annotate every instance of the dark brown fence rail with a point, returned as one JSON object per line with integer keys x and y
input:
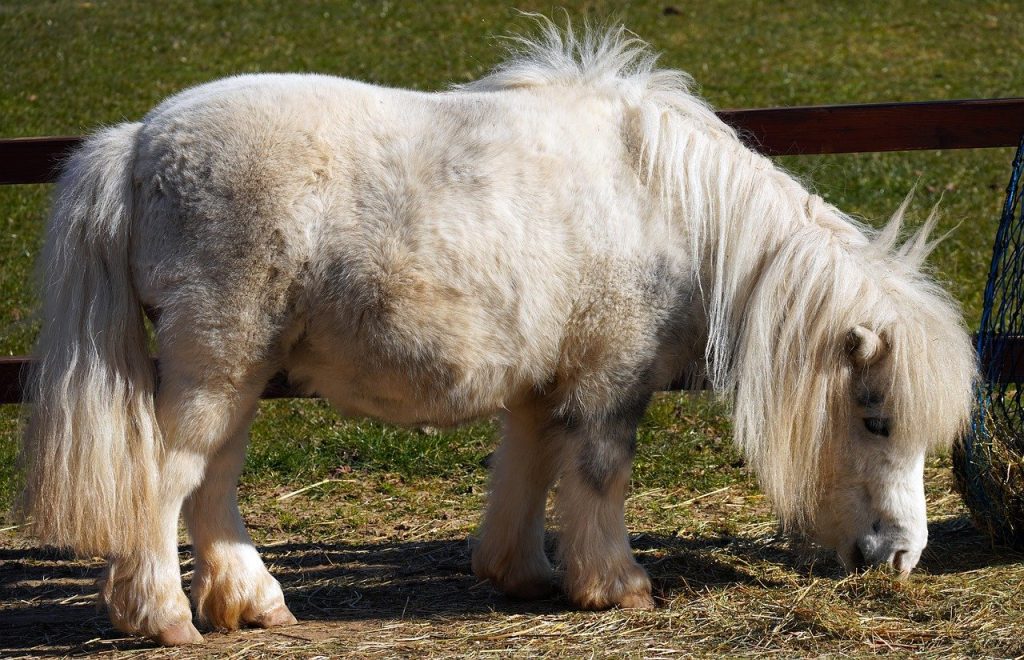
{"x": 964, "y": 124}
{"x": 827, "y": 129}
{"x": 14, "y": 375}
{"x": 34, "y": 160}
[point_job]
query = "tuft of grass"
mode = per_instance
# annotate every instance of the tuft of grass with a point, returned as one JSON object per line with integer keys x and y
{"x": 686, "y": 439}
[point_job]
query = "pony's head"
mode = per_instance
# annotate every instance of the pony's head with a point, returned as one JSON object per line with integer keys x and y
{"x": 850, "y": 365}
{"x": 870, "y": 505}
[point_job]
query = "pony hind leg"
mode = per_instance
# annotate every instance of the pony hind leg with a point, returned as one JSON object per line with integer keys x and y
{"x": 510, "y": 552}
{"x": 142, "y": 590}
{"x": 600, "y": 571}
{"x": 231, "y": 587}
{"x": 204, "y": 404}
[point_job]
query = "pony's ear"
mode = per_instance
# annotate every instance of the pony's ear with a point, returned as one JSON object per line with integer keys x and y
{"x": 865, "y": 347}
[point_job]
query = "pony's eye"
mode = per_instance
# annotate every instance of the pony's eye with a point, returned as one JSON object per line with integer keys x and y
{"x": 877, "y": 425}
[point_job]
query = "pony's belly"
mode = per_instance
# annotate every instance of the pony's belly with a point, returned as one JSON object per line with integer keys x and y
{"x": 391, "y": 395}
{"x": 397, "y": 403}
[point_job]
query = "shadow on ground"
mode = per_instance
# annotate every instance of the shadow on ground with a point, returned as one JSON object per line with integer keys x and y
{"x": 47, "y": 602}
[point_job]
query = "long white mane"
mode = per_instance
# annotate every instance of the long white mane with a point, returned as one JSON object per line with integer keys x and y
{"x": 784, "y": 275}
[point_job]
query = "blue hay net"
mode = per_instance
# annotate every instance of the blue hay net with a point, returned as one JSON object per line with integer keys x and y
{"x": 988, "y": 462}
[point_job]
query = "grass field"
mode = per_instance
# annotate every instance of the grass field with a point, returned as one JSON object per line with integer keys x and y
{"x": 374, "y": 559}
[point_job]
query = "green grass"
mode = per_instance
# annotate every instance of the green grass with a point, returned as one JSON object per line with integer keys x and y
{"x": 290, "y": 452}
{"x": 684, "y": 440}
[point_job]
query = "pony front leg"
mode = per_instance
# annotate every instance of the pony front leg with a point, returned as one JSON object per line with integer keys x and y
{"x": 600, "y": 571}
{"x": 231, "y": 587}
{"x": 511, "y": 549}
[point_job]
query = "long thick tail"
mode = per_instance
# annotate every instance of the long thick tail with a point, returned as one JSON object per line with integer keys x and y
{"x": 91, "y": 446}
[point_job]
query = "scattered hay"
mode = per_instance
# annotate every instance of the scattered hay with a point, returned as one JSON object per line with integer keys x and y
{"x": 989, "y": 470}
{"x": 380, "y": 568}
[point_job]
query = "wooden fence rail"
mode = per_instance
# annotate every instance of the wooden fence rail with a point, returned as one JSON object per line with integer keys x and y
{"x": 962, "y": 124}
{"x": 828, "y": 129}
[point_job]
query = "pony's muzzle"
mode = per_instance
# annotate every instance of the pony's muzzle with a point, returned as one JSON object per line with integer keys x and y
{"x": 891, "y": 548}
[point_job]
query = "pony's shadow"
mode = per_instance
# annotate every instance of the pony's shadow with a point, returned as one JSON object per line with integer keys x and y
{"x": 47, "y": 595}
{"x": 956, "y": 546}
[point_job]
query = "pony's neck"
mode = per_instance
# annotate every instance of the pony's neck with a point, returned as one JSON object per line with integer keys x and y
{"x": 735, "y": 211}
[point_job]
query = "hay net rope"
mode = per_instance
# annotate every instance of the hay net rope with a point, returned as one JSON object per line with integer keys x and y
{"x": 989, "y": 461}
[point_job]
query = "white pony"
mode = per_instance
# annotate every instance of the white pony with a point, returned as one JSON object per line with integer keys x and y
{"x": 553, "y": 242}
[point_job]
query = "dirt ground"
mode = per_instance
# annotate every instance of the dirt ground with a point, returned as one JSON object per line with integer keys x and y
{"x": 379, "y": 567}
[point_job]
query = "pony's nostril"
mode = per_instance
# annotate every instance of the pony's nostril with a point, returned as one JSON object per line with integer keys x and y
{"x": 857, "y": 559}
{"x": 901, "y": 562}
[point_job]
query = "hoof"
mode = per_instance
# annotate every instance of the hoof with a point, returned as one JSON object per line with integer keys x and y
{"x": 522, "y": 576}
{"x": 227, "y": 600}
{"x": 639, "y": 601}
{"x": 179, "y": 634}
{"x": 529, "y": 589}
{"x": 530, "y": 582}
{"x": 627, "y": 587}
{"x": 273, "y": 618}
